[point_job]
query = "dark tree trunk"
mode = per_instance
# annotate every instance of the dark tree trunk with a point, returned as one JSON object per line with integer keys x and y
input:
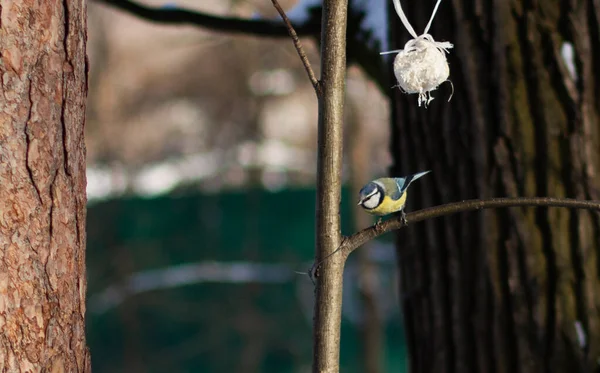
{"x": 503, "y": 291}
{"x": 43, "y": 86}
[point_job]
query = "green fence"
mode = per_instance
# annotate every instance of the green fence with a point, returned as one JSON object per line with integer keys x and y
{"x": 207, "y": 283}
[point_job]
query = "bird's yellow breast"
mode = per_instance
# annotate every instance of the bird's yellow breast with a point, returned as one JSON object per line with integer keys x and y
{"x": 389, "y": 206}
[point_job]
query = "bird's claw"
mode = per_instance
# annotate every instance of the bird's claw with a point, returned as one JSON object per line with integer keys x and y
{"x": 378, "y": 225}
{"x": 403, "y": 218}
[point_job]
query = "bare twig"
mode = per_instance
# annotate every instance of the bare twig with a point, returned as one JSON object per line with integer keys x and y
{"x": 234, "y": 25}
{"x": 298, "y": 45}
{"x": 359, "y": 51}
{"x": 356, "y": 240}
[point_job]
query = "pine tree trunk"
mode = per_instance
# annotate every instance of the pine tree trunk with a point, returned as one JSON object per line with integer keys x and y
{"x": 43, "y": 90}
{"x": 506, "y": 290}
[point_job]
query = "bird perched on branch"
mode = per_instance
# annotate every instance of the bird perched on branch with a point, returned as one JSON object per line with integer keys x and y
{"x": 387, "y": 195}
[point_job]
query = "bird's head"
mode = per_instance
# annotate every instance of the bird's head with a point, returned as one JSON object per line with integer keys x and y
{"x": 371, "y": 196}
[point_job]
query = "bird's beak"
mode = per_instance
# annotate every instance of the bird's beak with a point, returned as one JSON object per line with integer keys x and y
{"x": 360, "y": 202}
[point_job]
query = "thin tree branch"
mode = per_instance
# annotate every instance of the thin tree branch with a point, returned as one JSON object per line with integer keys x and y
{"x": 357, "y": 239}
{"x": 223, "y": 24}
{"x": 328, "y": 293}
{"x": 359, "y": 50}
{"x": 298, "y": 45}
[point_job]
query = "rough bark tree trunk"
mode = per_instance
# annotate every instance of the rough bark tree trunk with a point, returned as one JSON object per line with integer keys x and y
{"x": 43, "y": 90}
{"x": 503, "y": 291}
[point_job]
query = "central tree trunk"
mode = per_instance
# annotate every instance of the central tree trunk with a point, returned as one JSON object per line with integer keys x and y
{"x": 508, "y": 290}
{"x": 43, "y": 87}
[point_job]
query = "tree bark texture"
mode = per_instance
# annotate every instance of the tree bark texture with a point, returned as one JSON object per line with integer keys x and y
{"x": 505, "y": 290}
{"x": 43, "y": 87}
{"x": 327, "y": 318}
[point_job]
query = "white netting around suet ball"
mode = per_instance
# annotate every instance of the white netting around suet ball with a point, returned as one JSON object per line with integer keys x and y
{"x": 421, "y": 66}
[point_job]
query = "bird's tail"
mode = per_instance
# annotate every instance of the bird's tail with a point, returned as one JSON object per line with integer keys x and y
{"x": 410, "y": 178}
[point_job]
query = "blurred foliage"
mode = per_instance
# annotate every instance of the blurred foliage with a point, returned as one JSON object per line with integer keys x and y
{"x": 212, "y": 326}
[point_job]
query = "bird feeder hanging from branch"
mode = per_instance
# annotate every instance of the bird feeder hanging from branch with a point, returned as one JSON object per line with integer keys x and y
{"x": 421, "y": 66}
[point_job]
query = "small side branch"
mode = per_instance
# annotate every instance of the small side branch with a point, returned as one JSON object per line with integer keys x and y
{"x": 356, "y": 240}
{"x": 180, "y": 16}
{"x": 298, "y": 45}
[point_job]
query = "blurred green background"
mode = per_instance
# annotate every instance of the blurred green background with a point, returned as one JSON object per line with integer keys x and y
{"x": 208, "y": 283}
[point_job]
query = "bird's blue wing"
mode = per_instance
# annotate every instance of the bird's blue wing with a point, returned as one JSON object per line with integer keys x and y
{"x": 395, "y": 195}
{"x": 403, "y": 183}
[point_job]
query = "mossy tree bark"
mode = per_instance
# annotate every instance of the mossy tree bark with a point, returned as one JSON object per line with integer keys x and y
{"x": 503, "y": 290}
{"x": 43, "y": 89}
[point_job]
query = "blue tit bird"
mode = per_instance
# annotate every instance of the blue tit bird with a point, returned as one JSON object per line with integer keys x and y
{"x": 387, "y": 195}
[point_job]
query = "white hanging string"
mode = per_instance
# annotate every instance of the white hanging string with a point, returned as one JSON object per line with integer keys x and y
{"x": 403, "y": 18}
{"x": 442, "y": 46}
{"x": 437, "y": 5}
